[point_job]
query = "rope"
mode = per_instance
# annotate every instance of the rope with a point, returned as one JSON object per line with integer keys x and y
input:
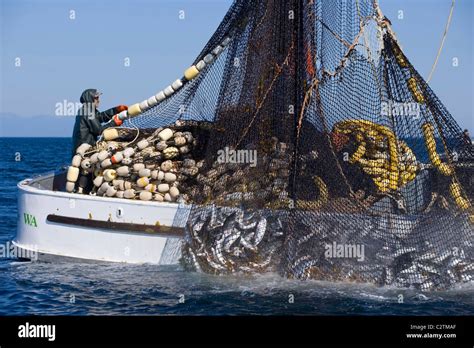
{"x": 344, "y": 42}
{"x": 136, "y": 136}
{"x": 350, "y": 48}
{"x": 442, "y": 41}
{"x": 99, "y": 148}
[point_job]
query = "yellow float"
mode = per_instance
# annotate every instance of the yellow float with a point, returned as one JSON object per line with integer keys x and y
{"x": 134, "y": 110}
{"x": 415, "y": 91}
{"x": 456, "y": 193}
{"x": 428, "y": 133}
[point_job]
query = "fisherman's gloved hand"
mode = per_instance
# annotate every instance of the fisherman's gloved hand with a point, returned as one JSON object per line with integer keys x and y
{"x": 121, "y": 108}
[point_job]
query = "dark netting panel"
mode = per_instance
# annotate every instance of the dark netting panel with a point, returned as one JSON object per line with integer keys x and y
{"x": 360, "y": 173}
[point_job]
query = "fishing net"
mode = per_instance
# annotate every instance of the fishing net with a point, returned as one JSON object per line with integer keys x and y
{"x": 328, "y": 156}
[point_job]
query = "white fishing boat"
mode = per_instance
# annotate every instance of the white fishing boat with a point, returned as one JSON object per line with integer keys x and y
{"x": 54, "y": 223}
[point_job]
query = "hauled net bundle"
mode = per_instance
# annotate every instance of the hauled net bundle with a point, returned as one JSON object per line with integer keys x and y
{"x": 326, "y": 155}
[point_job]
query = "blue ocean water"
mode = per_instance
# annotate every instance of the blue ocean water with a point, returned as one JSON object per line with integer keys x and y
{"x": 106, "y": 289}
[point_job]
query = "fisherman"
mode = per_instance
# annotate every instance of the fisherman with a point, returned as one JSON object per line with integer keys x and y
{"x": 90, "y": 123}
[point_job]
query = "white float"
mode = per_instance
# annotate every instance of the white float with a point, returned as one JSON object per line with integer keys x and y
{"x": 217, "y": 50}
{"x": 168, "y": 91}
{"x": 201, "y": 65}
{"x": 176, "y": 85}
{"x": 144, "y": 105}
{"x": 208, "y": 58}
{"x": 152, "y": 101}
{"x": 160, "y": 96}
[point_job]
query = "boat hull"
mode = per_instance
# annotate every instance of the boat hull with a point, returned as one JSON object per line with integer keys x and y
{"x": 54, "y": 223}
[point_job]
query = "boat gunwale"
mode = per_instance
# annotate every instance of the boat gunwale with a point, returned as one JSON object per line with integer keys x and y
{"x": 25, "y": 185}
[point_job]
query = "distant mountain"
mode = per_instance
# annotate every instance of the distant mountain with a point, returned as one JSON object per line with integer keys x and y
{"x": 12, "y": 125}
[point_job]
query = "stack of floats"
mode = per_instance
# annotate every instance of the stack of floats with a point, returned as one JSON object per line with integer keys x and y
{"x": 230, "y": 183}
{"x": 151, "y": 168}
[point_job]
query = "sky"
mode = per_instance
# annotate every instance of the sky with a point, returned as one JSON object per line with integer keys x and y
{"x": 51, "y": 50}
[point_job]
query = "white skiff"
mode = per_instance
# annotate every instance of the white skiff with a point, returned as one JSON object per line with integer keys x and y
{"x": 54, "y": 223}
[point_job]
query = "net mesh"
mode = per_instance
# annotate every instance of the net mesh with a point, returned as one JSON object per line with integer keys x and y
{"x": 328, "y": 155}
